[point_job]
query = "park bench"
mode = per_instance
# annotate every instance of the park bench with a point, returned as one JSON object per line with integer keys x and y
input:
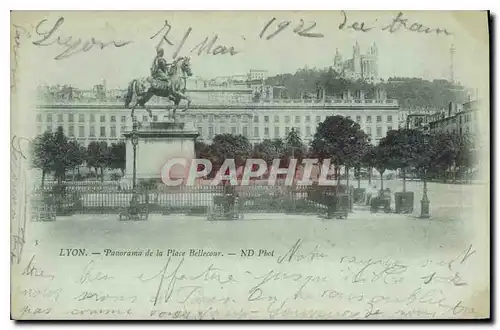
{"x": 135, "y": 211}
{"x": 382, "y": 200}
{"x": 336, "y": 203}
{"x": 138, "y": 212}
{"x": 226, "y": 206}
{"x": 404, "y": 202}
{"x": 359, "y": 195}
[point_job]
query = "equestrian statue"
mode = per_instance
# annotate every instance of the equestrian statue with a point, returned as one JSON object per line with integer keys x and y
{"x": 166, "y": 80}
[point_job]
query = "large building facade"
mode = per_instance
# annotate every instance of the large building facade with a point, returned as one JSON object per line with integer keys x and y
{"x": 457, "y": 119}
{"x": 107, "y": 121}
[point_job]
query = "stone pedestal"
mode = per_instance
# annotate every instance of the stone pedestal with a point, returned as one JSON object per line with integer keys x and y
{"x": 157, "y": 143}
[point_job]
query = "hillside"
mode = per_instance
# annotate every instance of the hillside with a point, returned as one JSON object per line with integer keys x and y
{"x": 411, "y": 92}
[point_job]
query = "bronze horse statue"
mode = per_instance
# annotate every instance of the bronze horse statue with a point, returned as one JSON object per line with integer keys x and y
{"x": 141, "y": 90}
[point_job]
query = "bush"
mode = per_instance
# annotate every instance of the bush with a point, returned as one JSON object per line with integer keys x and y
{"x": 59, "y": 189}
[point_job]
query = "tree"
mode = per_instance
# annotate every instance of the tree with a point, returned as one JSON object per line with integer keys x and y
{"x": 117, "y": 156}
{"x": 465, "y": 157}
{"x": 359, "y": 158}
{"x": 434, "y": 155}
{"x": 368, "y": 160}
{"x": 340, "y": 139}
{"x": 381, "y": 159}
{"x": 444, "y": 148}
{"x": 205, "y": 151}
{"x": 75, "y": 155}
{"x": 294, "y": 147}
{"x": 42, "y": 151}
{"x": 404, "y": 146}
{"x": 269, "y": 150}
{"x": 354, "y": 152}
{"x": 98, "y": 156}
{"x": 61, "y": 161}
{"x": 229, "y": 146}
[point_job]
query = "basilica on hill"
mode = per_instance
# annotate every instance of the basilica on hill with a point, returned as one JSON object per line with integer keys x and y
{"x": 359, "y": 66}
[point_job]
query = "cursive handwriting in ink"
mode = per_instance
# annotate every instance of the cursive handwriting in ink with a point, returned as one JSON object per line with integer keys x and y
{"x": 34, "y": 311}
{"x": 299, "y": 29}
{"x": 205, "y": 47}
{"x": 456, "y": 280}
{"x": 166, "y": 30}
{"x": 18, "y": 189}
{"x": 89, "y": 275}
{"x": 196, "y": 295}
{"x": 72, "y": 45}
{"x": 292, "y": 253}
{"x": 467, "y": 254}
{"x": 97, "y": 297}
{"x": 168, "y": 27}
{"x": 356, "y": 26}
{"x": 31, "y": 270}
{"x": 372, "y": 311}
{"x": 18, "y": 147}
{"x": 15, "y": 52}
{"x": 211, "y": 274}
{"x": 17, "y": 243}
{"x": 173, "y": 278}
{"x": 35, "y": 293}
{"x": 214, "y": 274}
{"x": 399, "y": 22}
{"x": 460, "y": 308}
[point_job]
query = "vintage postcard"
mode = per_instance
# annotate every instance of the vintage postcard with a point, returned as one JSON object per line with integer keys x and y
{"x": 189, "y": 165}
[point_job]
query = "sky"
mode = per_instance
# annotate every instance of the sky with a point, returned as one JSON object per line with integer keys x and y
{"x": 401, "y": 53}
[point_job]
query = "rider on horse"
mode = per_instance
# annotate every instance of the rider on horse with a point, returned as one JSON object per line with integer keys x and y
{"x": 159, "y": 69}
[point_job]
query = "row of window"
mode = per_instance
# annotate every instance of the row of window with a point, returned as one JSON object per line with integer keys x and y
{"x": 256, "y": 131}
{"x": 447, "y": 130}
{"x": 211, "y": 131}
{"x": 81, "y": 118}
{"x": 200, "y": 118}
{"x": 467, "y": 117}
{"x": 277, "y": 132}
{"x": 91, "y": 133}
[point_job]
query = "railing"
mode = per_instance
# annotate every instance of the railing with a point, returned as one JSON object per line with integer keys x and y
{"x": 163, "y": 199}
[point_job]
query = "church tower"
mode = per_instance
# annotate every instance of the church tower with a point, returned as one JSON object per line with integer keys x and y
{"x": 374, "y": 50}
{"x": 337, "y": 61}
{"x": 356, "y": 59}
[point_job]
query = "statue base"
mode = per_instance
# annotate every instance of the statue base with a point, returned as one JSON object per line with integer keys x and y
{"x": 157, "y": 143}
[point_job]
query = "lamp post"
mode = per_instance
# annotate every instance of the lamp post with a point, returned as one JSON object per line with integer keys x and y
{"x": 135, "y": 140}
{"x": 424, "y": 202}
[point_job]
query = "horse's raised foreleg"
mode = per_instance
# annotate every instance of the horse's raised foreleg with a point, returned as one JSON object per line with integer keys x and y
{"x": 179, "y": 97}
{"x": 176, "y": 105}
{"x": 187, "y": 98}
{"x": 188, "y": 103}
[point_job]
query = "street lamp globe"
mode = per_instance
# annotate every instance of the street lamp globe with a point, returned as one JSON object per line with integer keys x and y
{"x": 134, "y": 139}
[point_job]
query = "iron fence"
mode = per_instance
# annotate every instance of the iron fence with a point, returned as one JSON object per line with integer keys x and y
{"x": 91, "y": 199}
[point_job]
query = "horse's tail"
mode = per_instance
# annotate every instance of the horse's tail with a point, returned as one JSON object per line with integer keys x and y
{"x": 130, "y": 93}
